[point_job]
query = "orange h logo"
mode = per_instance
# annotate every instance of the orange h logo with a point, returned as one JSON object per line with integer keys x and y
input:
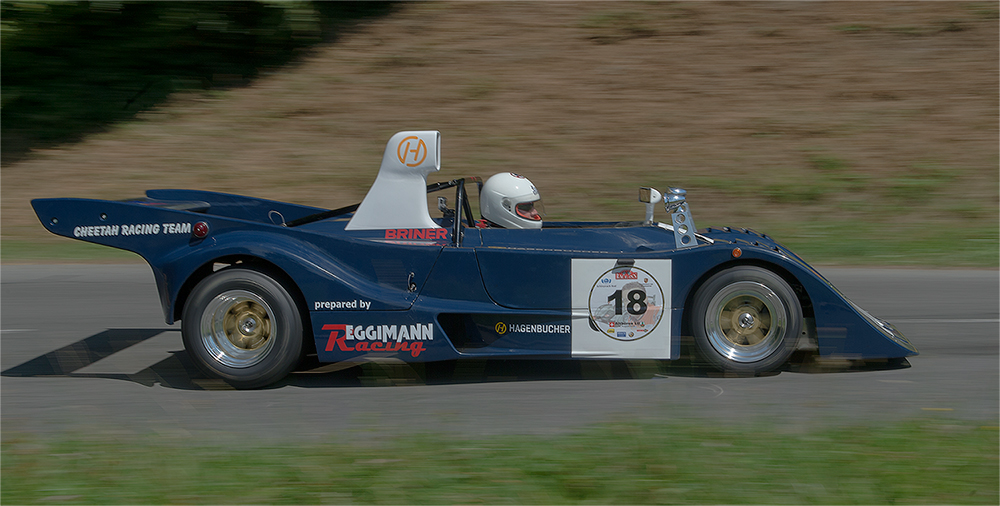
{"x": 411, "y": 145}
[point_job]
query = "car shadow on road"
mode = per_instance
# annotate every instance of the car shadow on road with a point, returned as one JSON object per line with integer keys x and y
{"x": 68, "y": 362}
{"x": 179, "y": 372}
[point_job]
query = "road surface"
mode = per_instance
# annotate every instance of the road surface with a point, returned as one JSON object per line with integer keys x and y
{"x": 85, "y": 351}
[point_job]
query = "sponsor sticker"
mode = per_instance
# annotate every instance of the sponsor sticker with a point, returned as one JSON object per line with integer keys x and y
{"x": 627, "y": 274}
{"x": 132, "y": 229}
{"x": 411, "y": 151}
{"x": 96, "y": 231}
{"x": 393, "y": 338}
{"x": 621, "y": 308}
{"x": 626, "y": 302}
{"x": 502, "y": 328}
{"x": 432, "y": 234}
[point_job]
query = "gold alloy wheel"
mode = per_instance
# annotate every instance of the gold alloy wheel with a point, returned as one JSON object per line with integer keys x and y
{"x": 746, "y": 321}
{"x": 237, "y": 328}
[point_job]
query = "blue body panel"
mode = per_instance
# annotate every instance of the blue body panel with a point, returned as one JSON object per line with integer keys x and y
{"x": 417, "y": 296}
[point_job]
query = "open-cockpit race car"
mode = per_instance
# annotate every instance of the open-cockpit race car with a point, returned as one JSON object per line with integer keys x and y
{"x": 258, "y": 284}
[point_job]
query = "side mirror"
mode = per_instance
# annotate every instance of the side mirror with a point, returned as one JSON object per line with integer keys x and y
{"x": 675, "y": 202}
{"x": 443, "y": 207}
{"x": 651, "y": 197}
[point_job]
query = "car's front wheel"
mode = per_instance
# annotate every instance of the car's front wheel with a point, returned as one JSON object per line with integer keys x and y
{"x": 243, "y": 326}
{"x": 746, "y": 320}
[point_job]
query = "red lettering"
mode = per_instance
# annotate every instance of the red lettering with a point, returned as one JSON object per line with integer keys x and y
{"x": 417, "y": 233}
{"x": 342, "y": 344}
{"x": 626, "y": 275}
{"x": 338, "y": 340}
{"x": 416, "y": 348}
{"x": 333, "y": 336}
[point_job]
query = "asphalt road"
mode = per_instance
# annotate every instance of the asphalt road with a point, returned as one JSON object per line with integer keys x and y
{"x": 85, "y": 351}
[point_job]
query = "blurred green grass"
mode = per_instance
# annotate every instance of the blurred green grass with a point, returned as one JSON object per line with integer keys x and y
{"x": 856, "y": 242}
{"x": 71, "y": 251}
{"x": 927, "y": 461}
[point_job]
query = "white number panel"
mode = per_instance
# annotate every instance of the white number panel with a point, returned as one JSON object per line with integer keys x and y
{"x": 621, "y": 308}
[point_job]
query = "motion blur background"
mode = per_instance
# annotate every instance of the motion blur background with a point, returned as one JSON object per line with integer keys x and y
{"x": 860, "y": 133}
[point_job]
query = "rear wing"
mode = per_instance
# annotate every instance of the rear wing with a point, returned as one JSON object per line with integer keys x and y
{"x": 161, "y": 222}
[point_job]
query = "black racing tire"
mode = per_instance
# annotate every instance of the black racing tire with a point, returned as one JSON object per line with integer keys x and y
{"x": 243, "y": 326}
{"x": 746, "y": 320}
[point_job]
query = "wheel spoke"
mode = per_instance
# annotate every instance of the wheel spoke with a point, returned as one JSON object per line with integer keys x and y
{"x": 765, "y": 321}
{"x": 237, "y": 328}
{"x": 726, "y": 322}
{"x": 740, "y": 339}
{"x": 754, "y": 337}
{"x": 747, "y": 326}
{"x": 733, "y": 336}
{"x": 243, "y": 327}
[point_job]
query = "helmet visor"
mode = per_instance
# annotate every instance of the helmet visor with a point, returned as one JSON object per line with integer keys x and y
{"x": 532, "y": 211}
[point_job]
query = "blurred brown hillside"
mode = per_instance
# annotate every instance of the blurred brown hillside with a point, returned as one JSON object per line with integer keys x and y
{"x": 770, "y": 114}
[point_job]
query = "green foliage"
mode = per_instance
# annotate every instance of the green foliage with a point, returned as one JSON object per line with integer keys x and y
{"x": 985, "y": 10}
{"x": 853, "y": 29}
{"x": 945, "y": 26}
{"x": 613, "y": 27}
{"x": 822, "y": 176}
{"x": 861, "y": 242}
{"x": 909, "y": 216}
{"x": 692, "y": 462}
{"x": 62, "y": 251}
{"x": 921, "y": 183}
{"x": 69, "y": 68}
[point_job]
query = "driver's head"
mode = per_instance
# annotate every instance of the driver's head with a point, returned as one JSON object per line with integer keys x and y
{"x": 511, "y": 201}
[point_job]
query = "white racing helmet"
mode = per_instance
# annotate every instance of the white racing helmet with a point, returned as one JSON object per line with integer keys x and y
{"x": 509, "y": 200}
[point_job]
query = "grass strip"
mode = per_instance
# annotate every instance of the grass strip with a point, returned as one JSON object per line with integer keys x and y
{"x": 850, "y": 243}
{"x": 916, "y": 462}
{"x": 17, "y": 251}
{"x": 829, "y": 243}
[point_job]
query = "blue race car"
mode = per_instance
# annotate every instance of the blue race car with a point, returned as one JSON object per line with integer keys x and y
{"x": 258, "y": 284}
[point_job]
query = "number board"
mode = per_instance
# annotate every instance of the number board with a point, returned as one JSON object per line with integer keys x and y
{"x": 621, "y": 308}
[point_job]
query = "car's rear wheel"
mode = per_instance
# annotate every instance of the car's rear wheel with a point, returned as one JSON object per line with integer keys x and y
{"x": 746, "y": 320}
{"x": 243, "y": 326}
